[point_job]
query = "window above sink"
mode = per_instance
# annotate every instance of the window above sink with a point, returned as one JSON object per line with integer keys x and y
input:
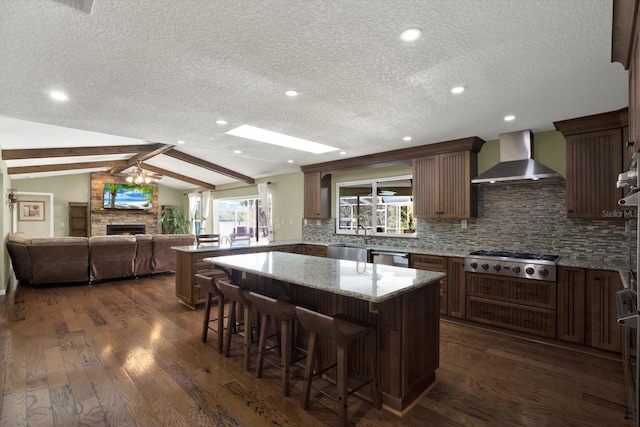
{"x": 380, "y": 206}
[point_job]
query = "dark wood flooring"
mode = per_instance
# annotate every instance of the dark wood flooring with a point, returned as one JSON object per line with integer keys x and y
{"x": 126, "y": 353}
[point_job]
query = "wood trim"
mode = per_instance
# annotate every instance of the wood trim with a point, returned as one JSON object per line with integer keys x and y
{"x": 62, "y": 167}
{"x": 177, "y": 176}
{"x": 210, "y": 166}
{"x": 624, "y": 21}
{"x": 42, "y": 153}
{"x": 394, "y": 157}
{"x": 594, "y": 123}
{"x": 146, "y": 154}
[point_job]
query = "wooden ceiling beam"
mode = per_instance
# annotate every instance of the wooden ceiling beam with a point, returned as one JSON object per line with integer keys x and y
{"x": 41, "y": 153}
{"x": 209, "y": 166}
{"x": 177, "y": 176}
{"x": 62, "y": 167}
{"x": 149, "y": 152}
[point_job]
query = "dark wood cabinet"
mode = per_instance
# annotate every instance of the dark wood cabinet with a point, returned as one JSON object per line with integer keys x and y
{"x": 456, "y": 288}
{"x": 595, "y": 157}
{"x": 317, "y": 195}
{"x": 571, "y": 305}
{"x": 442, "y": 185}
{"x": 79, "y": 219}
{"x": 603, "y": 330}
{"x": 433, "y": 263}
{"x": 313, "y": 250}
{"x": 522, "y": 305}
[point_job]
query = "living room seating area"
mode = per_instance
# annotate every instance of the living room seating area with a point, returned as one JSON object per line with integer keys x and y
{"x": 48, "y": 260}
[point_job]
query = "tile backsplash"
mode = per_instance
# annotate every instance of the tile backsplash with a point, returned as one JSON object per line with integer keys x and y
{"x": 516, "y": 217}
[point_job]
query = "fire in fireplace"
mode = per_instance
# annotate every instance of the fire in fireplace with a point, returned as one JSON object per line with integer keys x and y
{"x": 126, "y": 229}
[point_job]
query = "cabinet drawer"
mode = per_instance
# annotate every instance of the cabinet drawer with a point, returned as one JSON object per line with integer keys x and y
{"x": 429, "y": 262}
{"x": 532, "y": 293}
{"x": 538, "y": 321}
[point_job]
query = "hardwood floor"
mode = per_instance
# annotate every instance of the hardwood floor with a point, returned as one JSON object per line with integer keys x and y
{"x": 128, "y": 353}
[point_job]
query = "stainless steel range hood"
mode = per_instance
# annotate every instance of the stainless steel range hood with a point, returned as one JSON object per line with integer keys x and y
{"x": 516, "y": 162}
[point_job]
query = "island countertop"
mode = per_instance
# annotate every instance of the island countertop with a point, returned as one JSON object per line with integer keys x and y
{"x": 370, "y": 282}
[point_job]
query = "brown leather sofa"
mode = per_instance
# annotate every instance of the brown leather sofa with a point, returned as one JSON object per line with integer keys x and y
{"x": 79, "y": 259}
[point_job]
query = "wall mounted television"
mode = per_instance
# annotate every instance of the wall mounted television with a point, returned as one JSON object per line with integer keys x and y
{"x": 128, "y": 197}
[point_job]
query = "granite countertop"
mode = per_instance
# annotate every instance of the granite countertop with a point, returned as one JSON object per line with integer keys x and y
{"x": 619, "y": 265}
{"x": 370, "y": 282}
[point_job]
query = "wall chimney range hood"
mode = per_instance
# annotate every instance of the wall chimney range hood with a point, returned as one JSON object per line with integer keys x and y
{"x": 516, "y": 163}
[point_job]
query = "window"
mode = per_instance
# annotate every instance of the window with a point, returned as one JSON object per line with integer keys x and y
{"x": 240, "y": 219}
{"x": 382, "y": 206}
{"x": 196, "y": 217}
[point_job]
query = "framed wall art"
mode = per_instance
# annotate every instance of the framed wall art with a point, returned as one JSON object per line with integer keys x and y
{"x": 30, "y": 211}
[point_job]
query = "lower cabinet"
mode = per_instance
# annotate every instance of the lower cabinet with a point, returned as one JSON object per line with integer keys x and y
{"x": 433, "y": 263}
{"x": 603, "y": 330}
{"x": 571, "y": 305}
{"x": 521, "y": 305}
{"x": 456, "y": 288}
{"x": 313, "y": 250}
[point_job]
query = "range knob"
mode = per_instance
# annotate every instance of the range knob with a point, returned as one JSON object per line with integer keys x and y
{"x": 543, "y": 272}
{"x": 485, "y": 266}
{"x": 497, "y": 267}
{"x": 529, "y": 270}
{"x": 474, "y": 264}
{"x": 515, "y": 269}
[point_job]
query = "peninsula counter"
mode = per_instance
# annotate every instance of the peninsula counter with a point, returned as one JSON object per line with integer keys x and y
{"x": 401, "y": 302}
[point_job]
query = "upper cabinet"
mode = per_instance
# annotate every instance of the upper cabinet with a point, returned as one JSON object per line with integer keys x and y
{"x": 596, "y": 154}
{"x": 317, "y": 195}
{"x": 442, "y": 185}
{"x": 625, "y": 49}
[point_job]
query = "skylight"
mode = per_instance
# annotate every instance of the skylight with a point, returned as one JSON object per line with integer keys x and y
{"x": 275, "y": 138}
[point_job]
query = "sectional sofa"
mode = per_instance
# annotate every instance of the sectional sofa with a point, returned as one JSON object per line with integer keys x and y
{"x": 43, "y": 260}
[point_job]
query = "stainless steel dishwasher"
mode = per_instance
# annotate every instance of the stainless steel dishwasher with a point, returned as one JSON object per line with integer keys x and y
{"x": 399, "y": 259}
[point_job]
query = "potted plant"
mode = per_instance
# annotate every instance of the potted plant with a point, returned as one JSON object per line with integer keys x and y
{"x": 173, "y": 221}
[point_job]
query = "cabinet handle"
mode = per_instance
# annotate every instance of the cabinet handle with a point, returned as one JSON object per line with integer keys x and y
{"x": 531, "y": 321}
{"x": 485, "y": 311}
{"x": 596, "y": 277}
{"x": 630, "y": 144}
{"x": 569, "y": 210}
{"x": 532, "y": 293}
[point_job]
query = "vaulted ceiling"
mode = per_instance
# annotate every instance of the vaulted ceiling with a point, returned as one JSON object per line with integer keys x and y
{"x": 142, "y": 75}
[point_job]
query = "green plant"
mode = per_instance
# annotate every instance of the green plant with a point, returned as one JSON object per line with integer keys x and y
{"x": 175, "y": 222}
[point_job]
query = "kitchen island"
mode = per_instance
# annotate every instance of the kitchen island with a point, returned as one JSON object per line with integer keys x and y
{"x": 401, "y": 302}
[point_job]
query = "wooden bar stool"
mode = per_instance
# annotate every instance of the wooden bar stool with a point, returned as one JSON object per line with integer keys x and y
{"x": 207, "y": 282}
{"x": 285, "y": 314}
{"x": 237, "y": 296}
{"x": 342, "y": 332}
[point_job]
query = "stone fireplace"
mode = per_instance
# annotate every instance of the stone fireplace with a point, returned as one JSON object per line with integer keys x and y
{"x": 101, "y": 218}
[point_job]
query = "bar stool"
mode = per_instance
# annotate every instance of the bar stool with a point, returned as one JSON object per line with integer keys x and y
{"x": 342, "y": 332}
{"x": 285, "y": 314}
{"x": 237, "y": 296}
{"x": 207, "y": 282}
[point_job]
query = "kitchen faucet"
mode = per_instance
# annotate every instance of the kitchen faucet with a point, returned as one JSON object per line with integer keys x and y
{"x": 358, "y": 218}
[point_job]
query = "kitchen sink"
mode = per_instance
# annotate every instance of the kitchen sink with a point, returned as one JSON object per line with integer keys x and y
{"x": 348, "y": 252}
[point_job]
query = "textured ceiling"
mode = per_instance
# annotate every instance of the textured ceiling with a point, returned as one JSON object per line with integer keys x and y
{"x": 165, "y": 70}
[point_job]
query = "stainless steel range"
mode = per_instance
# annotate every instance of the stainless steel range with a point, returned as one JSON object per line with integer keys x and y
{"x": 513, "y": 264}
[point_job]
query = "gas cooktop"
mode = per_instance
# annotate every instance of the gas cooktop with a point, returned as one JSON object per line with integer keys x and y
{"x": 514, "y": 264}
{"x": 516, "y": 255}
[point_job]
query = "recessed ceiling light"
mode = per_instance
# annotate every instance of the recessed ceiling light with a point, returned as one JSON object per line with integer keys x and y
{"x": 59, "y": 96}
{"x": 180, "y": 142}
{"x": 237, "y": 151}
{"x": 407, "y": 138}
{"x": 509, "y": 118}
{"x": 221, "y": 122}
{"x": 291, "y": 93}
{"x": 342, "y": 153}
{"x": 458, "y": 89}
{"x": 410, "y": 34}
{"x": 275, "y": 138}
{"x": 290, "y": 161}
